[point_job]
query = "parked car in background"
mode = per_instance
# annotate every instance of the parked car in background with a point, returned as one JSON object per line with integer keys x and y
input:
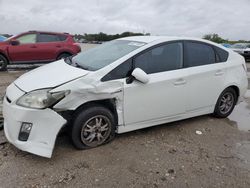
{"x": 243, "y": 49}
{"x": 2, "y": 38}
{"x": 120, "y": 86}
{"x": 36, "y": 47}
{"x": 226, "y": 45}
{"x": 82, "y": 41}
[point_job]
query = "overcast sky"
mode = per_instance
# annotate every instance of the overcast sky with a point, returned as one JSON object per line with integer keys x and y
{"x": 229, "y": 18}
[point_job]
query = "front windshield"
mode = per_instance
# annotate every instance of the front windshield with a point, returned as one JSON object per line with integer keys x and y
{"x": 240, "y": 46}
{"x": 105, "y": 54}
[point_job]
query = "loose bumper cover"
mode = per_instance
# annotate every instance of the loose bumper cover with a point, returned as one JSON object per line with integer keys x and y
{"x": 46, "y": 124}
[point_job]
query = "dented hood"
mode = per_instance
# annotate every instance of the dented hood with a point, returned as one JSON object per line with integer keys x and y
{"x": 49, "y": 76}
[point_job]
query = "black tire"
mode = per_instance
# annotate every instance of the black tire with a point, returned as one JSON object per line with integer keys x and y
{"x": 3, "y": 63}
{"x": 82, "y": 122}
{"x": 1, "y": 125}
{"x": 63, "y": 55}
{"x": 229, "y": 105}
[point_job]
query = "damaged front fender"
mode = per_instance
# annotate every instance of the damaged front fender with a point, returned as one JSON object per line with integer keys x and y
{"x": 83, "y": 92}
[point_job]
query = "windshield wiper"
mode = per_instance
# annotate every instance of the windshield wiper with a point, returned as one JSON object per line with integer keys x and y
{"x": 69, "y": 60}
{"x": 79, "y": 66}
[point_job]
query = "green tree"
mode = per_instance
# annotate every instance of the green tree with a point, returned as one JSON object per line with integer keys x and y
{"x": 105, "y": 37}
{"x": 215, "y": 38}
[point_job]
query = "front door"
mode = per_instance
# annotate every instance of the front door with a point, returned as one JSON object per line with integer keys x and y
{"x": 164, "y": 96}
{"x": 26, "y": 51}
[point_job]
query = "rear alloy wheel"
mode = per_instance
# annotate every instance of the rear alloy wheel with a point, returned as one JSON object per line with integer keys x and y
{"x": 225, "y": 103}
{"x": 93, "y": 127}
{"x": 3, "y": 63}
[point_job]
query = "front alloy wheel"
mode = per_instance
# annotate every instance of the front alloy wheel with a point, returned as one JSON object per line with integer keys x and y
{"x": 95, "y": 131}
{"x": 92, "y": 127}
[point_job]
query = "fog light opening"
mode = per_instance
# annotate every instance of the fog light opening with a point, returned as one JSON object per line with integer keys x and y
{"x": 25, "y": 131}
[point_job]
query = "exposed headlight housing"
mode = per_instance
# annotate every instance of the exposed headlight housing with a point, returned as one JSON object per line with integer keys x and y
{"x": 41, "y": 99}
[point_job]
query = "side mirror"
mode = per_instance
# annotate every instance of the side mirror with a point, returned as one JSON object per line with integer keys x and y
{"x": 140, "y": 75}
{"x": 14, "y": 42}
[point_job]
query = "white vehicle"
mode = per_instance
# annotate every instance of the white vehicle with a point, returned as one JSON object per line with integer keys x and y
{"x": 120, "y": 86}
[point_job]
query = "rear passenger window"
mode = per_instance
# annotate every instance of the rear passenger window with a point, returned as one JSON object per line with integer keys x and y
{"x": 47, "y": 38}
{"x": 223, "y": 54}
{"x": 197, "y": 54}
{"x": 163, "y": 58}
{"x": 62, "y": 37}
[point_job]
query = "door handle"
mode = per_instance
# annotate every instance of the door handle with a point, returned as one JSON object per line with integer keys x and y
{"x": 180, "y": 81}
{"x": 219, "y": 73}
{"x": 33, "y": 46}
{"x": 58, "y": 46}
{"x": 118, "y": 91}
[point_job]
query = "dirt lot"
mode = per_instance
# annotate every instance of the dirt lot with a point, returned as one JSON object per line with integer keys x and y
{"x": 170, "y": 155}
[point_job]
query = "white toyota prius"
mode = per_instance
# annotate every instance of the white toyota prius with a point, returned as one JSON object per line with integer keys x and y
{"x": 120, "y": 86}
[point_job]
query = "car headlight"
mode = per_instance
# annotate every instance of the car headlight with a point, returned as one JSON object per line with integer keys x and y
{"x": 41, "y": 99}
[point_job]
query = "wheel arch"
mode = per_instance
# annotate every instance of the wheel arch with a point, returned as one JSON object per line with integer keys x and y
{"x": 64, "y": 52}
{"x": 107, "y": 103}
{"x": 70, "y": 115}
{"x": 4, "y": 55}
{"x": 235, "y": 88}
{"x": 217, "y": 111}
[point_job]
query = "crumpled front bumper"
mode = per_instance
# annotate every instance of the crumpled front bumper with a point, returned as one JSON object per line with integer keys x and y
{"x": 46, "y": 125}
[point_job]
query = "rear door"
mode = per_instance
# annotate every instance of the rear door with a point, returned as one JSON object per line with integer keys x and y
{"x": 49, "y": 45}
{"x": 205, "y": 80}
{"x": 26, "y": 50}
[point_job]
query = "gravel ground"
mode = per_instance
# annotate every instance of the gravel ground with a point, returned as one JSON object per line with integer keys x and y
{"x": 198, "y": 152}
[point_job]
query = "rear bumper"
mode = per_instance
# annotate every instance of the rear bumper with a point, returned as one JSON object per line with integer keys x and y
{"x": 46, "y": 125}
{"x": 243, "y": 89}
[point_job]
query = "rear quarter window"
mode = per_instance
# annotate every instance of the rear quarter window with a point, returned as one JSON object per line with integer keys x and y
{"x": 223, "y": 54}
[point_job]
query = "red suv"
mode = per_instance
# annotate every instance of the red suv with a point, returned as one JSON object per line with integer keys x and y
{"x": 36, "y": 47}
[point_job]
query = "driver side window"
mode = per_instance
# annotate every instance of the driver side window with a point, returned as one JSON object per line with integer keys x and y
{"x": 27, "y": 39}
{"x": 160, "y": 59}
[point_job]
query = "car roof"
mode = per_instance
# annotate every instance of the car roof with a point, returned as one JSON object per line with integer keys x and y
{"x": 47, "y": 32}
{"x": 149, "y": 39}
